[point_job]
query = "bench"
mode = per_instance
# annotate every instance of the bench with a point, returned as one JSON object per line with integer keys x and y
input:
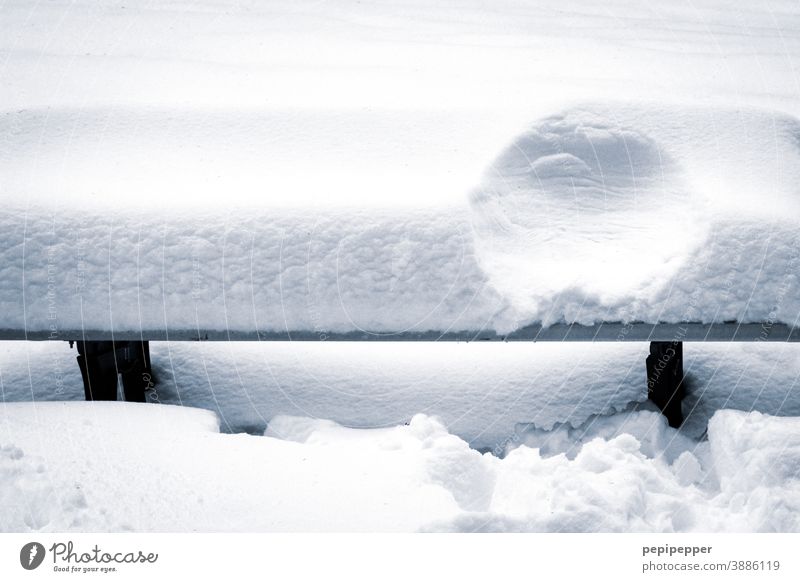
{"x": 106, "y": 357}
{"x": 566, "y": 198}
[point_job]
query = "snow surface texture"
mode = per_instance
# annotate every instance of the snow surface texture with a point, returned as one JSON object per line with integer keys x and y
{"x": 602, "y": 213}
{"x": 616, "y": 213}
{"x": 180, "y": 474}
{"x": 483, "y": 393}
{"x": 286, "y": 271}
{"x": 118, "y": 122}
{"x": 405, "y": 55}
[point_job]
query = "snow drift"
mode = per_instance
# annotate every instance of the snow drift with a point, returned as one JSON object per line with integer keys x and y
{"x": 168, "y": 469}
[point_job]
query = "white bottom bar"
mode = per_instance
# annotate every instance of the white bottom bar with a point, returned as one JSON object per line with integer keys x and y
{"x": 405, "y": 557}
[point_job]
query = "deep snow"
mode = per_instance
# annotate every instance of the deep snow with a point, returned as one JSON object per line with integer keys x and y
{"x": 156, "y": 174}
{"x": 616, "y": 212}
{"x": 483, "y": 393}
{"x": 123, "y": 467}
{"x": 648, "y": 168}
{"x": 180, "y": 165}
{"x": 599, "y": 213}
{"x": 293, "y": 270}
{"x": 407, "y": 55}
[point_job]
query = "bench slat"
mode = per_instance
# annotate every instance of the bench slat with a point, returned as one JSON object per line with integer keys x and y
{"x": 605, "y": 332}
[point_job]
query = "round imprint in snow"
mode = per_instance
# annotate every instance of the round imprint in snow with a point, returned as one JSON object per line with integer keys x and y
{"x": 588, "y": 201}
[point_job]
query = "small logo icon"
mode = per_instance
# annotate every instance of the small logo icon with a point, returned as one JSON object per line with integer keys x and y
{"x": 31, "y": 555}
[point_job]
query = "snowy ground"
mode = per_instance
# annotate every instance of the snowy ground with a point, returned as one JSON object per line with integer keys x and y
{"x": 464, "y": 437}
{"x": 120, "y": 467}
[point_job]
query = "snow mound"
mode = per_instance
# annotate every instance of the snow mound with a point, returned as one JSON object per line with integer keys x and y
{"x": 442, "y": 459}
{"x": 596, "y": 212}
{"x": 81, "y": 467}
{"x": 242, "y": 270}
{"x": 85, "y": 475}
{"x": 615, "y": 212}
{"x": 648, "y": 427}
{"x": 757, "y": 461}
{"x": 616, "y": 480}
{"x": 604, "y": 212}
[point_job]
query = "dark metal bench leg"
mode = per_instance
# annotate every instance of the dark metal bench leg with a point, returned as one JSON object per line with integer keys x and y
{"x": 98, "y": 369}
{"x": 136, "y": 373}
{"x": 665, "y": 385}
{"x": 102, "y": 362}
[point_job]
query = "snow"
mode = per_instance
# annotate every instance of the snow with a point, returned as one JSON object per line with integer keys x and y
{"x": 242, "y": 271}
{"x": 402, "y": 55}
{"x": 155, "y": 174}
{"x": 612, "y": 212}
{"x": 599, "y": 213}
{"x": 351, "y": 165}
{"x": 166, "y": 468}
{"x": 618, "y": 481}
{"x": 483, "y": 393}
{"x": 72, "y": 466}
{"x": 122, "y": 158}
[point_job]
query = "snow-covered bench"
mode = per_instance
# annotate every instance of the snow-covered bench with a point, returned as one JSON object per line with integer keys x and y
{"x": 596, "y": 224}
{"x": 105, "y": 354}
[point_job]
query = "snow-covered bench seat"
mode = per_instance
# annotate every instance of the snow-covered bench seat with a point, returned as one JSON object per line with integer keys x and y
{"x": 598, "y": 223}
